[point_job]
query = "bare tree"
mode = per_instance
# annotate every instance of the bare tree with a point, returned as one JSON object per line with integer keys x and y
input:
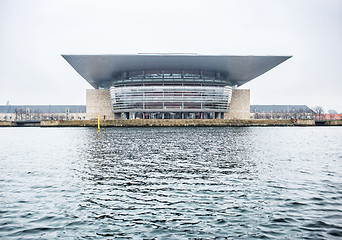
{"x": 16, "y": 113}
{"x": 332, "y": 113}
{"x": 318, "y": 111}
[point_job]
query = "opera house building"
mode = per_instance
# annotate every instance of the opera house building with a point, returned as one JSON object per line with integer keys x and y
{"x": 169, "y": 86}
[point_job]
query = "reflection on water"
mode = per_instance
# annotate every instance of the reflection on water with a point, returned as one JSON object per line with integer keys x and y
{"x": 171, "y": 183}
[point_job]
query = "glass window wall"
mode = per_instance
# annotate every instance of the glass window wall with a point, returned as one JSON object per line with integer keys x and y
{"x": 170, "y": 97}
{"x": 174, "y": 90}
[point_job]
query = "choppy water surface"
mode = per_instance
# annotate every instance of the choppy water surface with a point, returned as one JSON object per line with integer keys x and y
{"x": 171, "y": 183}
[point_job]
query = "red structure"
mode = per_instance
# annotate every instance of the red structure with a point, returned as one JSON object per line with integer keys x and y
{"x": 327, "y": 116}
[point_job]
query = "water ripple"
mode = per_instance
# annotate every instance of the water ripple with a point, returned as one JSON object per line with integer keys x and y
{"x": 171, "y": 183}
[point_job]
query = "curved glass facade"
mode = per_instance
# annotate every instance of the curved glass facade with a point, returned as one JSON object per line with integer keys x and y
{"x": 170, "y": 97}
{"x": 152, "y": 92}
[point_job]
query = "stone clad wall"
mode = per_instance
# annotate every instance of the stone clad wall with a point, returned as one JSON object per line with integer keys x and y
{"x": 239, "y": 105}
{"x": 98, "y": 103}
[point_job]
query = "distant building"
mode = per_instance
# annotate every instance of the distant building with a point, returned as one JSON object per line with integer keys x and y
{"x": 329, "y": 116}
{"x": 281, "y": 112}
{"x": 42, "y": 112}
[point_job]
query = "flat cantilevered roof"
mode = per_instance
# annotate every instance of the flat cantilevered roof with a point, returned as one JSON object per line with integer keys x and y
{"x": 239, "y": 69}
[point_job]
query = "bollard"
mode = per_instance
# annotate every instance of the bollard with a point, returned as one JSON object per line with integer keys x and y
{"x": 98, "y": 123}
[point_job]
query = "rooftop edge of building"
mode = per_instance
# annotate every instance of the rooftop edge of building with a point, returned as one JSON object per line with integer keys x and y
{"x": 239, "y": 69}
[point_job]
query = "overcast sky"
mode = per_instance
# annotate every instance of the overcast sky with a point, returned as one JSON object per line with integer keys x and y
{"x": 34, "y": 34}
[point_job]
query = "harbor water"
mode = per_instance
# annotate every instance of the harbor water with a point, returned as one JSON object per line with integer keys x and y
{"x": 171, "y": 183}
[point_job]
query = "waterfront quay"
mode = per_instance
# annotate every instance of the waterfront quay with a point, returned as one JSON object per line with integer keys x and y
{"x": 177, "y": 123}
{"x": 163, "y": 123}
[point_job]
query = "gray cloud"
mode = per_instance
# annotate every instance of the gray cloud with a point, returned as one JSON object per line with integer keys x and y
{"x": 33, "y": 34}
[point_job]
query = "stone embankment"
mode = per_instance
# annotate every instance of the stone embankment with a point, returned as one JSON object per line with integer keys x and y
{"x": 172, "y": 123}
{"x": 20, "y": 123}
{"x": 334, "y": 123}
{"x": 7, "y": 124}
{"x": 329, "y": 123}
{"x": 177, "y": 123}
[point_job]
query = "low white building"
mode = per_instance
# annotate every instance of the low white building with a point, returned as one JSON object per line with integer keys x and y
{"x": 42, "y": 112}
